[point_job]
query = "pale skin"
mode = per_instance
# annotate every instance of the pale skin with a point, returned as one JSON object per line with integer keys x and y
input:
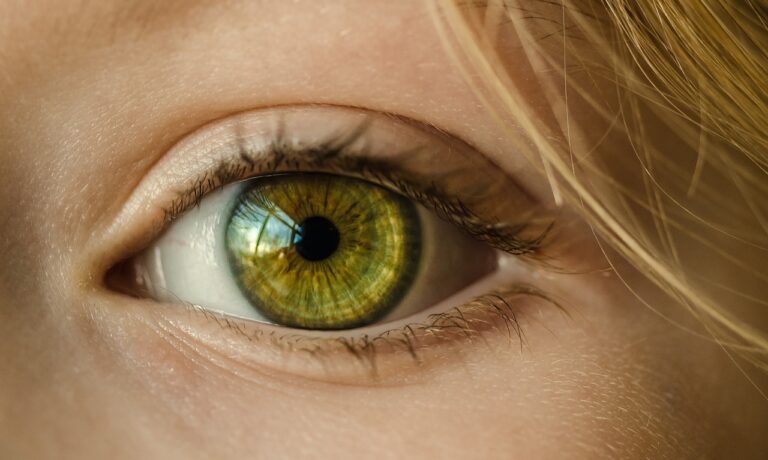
{"x": 93, "y": 95}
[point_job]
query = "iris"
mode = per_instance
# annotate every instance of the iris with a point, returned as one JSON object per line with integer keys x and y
{"x": 321, "y": 251}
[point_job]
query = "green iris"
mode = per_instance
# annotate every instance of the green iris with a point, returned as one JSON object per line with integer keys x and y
{"x": 319, "y": 251}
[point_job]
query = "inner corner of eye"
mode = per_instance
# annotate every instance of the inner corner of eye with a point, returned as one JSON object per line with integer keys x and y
{"x": 308, "y": 251}
{"x": 127, "y": 277}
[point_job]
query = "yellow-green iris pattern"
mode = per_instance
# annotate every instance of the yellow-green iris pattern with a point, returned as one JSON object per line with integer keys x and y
{"x": 321, "y": 251}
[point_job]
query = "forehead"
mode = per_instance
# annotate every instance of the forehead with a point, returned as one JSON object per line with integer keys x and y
{"x": 33, "y": 34}
{"x": 119, "y": 82}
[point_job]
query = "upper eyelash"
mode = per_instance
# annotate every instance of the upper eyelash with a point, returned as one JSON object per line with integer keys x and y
{"x": 330, "y": 156}
{"x": 341, "y": 154}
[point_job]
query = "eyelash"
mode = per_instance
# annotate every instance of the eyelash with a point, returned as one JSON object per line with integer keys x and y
{"x": 332, "y": 156}
{"x": 465, "y": 323}
{"x": 468, "y": 321}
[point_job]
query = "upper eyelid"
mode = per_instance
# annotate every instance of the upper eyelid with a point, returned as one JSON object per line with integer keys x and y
{"x": 207, "y": 155}
{"x": 439, "y": 201}
{"x": 237, "y": 149}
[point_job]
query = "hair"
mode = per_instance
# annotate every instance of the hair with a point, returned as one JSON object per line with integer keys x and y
{"x": 654, "y": 126}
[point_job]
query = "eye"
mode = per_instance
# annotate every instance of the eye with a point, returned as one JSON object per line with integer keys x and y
{"x": 328, "y": 219}
{"x": 313, "y": 251}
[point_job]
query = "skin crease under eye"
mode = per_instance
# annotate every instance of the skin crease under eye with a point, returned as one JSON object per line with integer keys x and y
{"x": 92, "y": 96}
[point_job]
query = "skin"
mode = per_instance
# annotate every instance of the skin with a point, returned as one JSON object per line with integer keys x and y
{"x": 92, "y": 96}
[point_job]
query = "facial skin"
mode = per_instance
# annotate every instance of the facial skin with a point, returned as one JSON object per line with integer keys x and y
{"x": 91, "y": 98}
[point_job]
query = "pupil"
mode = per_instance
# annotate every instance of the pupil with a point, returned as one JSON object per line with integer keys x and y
{"x": 316, "y": 238}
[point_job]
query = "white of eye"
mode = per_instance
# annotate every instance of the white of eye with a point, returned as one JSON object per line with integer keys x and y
{"x": 189, "y": 262}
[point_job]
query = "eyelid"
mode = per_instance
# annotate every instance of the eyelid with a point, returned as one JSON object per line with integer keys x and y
{"x": 239, "y": 147}
{"x": 379, "y": 356}
{"x": 243, "y": 146}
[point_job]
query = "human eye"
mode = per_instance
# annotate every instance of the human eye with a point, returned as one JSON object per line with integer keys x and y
{"x": 310, "y": 251}
{"x": 329, "y": 225}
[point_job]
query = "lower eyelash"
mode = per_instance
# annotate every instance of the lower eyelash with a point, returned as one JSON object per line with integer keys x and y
{"x": 525, "y": 233}
{"x": 471, "y": 322}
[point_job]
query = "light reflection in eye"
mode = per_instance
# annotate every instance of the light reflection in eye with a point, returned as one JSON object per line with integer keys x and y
{"x": 270, "y": 230}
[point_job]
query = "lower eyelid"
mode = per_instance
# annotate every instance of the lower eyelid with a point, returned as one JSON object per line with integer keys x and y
{"x": 495, "y": 319}
{"x": 370, "y": 355}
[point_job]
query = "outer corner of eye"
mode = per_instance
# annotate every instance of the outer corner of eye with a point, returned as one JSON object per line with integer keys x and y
{"x": 308, "y": 251}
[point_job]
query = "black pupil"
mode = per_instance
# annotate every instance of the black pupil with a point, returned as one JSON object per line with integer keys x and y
{"x": 316, "y": 238}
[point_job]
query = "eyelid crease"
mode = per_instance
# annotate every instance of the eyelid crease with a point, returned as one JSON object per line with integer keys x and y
{"x": 456, "y": 182}
{"x": 207, "y": 158}
{"x": 337, "y": 155}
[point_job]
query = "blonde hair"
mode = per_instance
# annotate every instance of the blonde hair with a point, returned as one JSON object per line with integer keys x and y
{"x": 679, "y": 90}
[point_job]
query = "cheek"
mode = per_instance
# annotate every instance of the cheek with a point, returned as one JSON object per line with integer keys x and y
{"x": 593, "y": 388}
{"x": 612, "y": 378}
